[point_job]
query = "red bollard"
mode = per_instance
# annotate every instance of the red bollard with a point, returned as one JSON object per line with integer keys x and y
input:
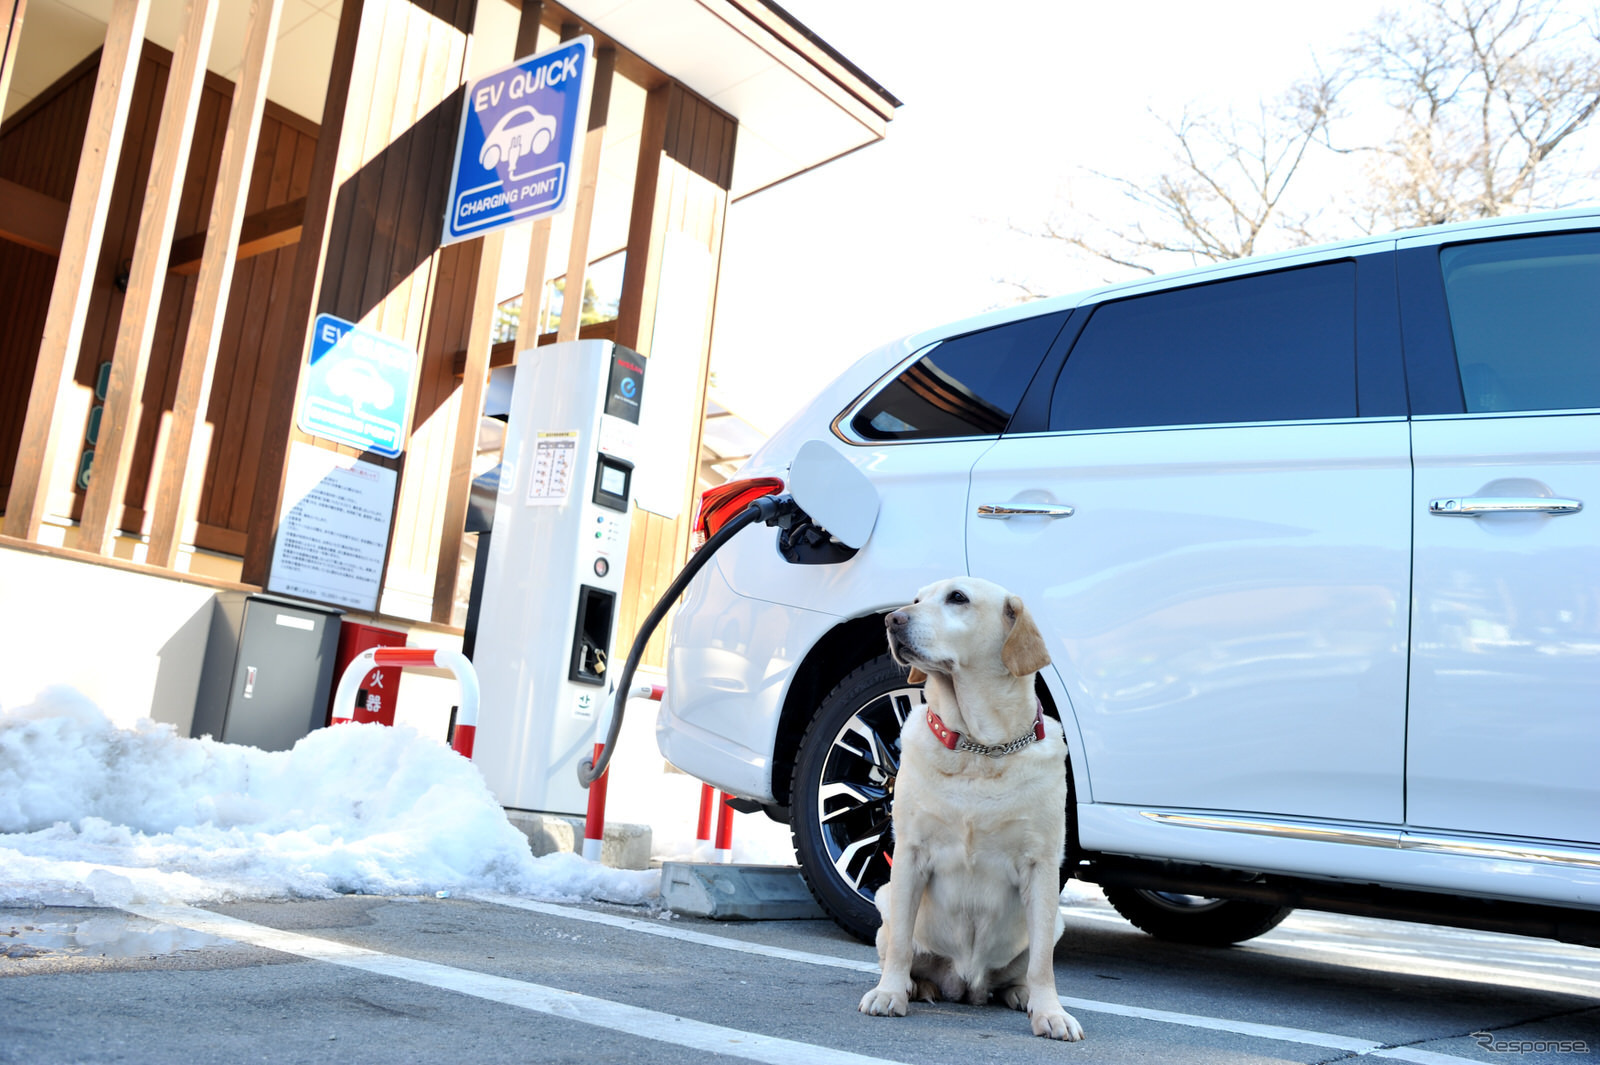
{"x": 466, "y": 679}
{"x": 708, "y": 796}
{"x": 725, "y": 830}
{"x": 594, "y": 820}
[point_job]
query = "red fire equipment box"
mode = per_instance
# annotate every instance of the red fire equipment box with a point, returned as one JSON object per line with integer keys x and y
{"x": 381, "y": 687}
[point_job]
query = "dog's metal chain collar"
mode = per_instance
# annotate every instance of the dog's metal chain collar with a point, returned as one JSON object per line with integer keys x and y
{"x": 956, "y": 742}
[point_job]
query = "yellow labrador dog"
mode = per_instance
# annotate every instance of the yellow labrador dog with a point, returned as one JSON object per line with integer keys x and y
{"x": 972, "y": 907}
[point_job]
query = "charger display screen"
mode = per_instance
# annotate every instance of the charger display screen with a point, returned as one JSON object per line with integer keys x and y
{"x": 611, "y": 482}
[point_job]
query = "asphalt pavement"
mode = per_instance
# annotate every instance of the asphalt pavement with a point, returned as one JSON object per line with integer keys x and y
{"x": 486, "y": 979}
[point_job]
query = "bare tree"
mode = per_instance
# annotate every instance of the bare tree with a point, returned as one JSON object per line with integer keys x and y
{"x": 1490, "y": 96}
{"x": 1470, "y": 108}
{"x": 1222, "y": 195}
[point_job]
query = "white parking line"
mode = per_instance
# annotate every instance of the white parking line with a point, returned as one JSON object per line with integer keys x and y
{"x": 1305, "y": 1037}
{"x": 567, "y": 1005}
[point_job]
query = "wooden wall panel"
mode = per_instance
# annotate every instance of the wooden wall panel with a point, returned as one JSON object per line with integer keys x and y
{"x": 689, "y": 172}
{"x": 39, "y": 148}
{"x": 383, "y": 267}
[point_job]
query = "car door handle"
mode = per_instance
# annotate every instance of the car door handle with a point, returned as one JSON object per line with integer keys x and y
{"x": 1024, "y": 510}
{"x": 1473, "y": 506}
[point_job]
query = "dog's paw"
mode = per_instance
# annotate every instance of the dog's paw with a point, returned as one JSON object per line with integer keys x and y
{"x": 1015, "y": 997}
{"x": 1056, "y": 1023}
{"x": 884, "y": 1002}
{"x": 925, "y": 991}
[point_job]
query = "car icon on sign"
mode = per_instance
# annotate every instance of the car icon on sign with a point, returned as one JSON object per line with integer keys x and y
{"x": 520, "y": 131}
{"x": 361, "y": 384}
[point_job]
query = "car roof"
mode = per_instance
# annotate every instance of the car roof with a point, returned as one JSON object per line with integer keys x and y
{"x": 1508, "y": 225}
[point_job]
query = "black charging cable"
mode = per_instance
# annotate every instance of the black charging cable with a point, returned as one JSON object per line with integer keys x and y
{"x": 770, "y": 510}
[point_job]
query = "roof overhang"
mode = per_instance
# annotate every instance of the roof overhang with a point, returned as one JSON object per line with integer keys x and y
{"x": 799, "y": 103}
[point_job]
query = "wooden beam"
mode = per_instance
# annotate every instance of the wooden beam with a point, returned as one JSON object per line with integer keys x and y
{"x": 31, "y": 218}
{"x": 641, "y": 273}
{"x": 528, "y": 28}
{"x": 583, "y": 210}
{"x": 539, "y": 234}
{"x": 475, "y": 371}
{"x": 465, "y": 445}
{"x": 11, "y": 12}
{"x": 183, "y": 465}
{"x": 267, "y": 230}
{"x": 303, "y": 288}
{"x": 505, "y": 352}
{"x": 119, "y": 423}
{"x": 35, "y": 471}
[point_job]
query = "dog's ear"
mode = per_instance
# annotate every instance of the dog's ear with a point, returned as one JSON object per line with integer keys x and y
{"x": 916, "y": 676}
{"x": 1024, "y": 651}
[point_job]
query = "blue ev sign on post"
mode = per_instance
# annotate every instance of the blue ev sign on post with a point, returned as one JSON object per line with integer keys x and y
{"x": 358, "y": 388}
{"x": 516, "y": 157}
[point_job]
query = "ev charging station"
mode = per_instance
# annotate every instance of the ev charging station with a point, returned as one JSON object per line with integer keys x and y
{"x": 553, "y": 579}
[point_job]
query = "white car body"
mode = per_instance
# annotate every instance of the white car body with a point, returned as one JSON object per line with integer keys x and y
{"x": 1269, "y": 654}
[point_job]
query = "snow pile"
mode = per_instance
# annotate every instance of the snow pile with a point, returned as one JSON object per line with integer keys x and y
{"x": 95, "y": 815}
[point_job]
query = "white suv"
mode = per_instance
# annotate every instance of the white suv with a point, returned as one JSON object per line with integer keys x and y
{"x": 1306, "y": 535}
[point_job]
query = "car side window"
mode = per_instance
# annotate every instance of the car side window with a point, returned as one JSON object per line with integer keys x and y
{"x": 1269, "y": 347}
{"x": 965, "y": 386}
{"x": 1525, "y": 314}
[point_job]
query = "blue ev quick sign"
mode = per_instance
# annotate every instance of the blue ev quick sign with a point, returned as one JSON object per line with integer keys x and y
{"x": 516, "y": 155}
{"x": 358, "y": 388}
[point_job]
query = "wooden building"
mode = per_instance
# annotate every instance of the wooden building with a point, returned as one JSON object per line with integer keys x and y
{"x": 185, "y": 184}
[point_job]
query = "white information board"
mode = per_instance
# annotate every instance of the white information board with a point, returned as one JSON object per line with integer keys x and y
{"x": 333, "y": 528}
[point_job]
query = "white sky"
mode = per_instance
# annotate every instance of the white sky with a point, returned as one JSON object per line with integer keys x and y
{"x": 999, "y": 114}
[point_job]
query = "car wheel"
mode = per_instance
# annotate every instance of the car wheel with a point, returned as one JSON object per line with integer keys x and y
{"x": 1194, "y": 918}
{"x": 491, "y": 157}
{"x": 843, "y": 792}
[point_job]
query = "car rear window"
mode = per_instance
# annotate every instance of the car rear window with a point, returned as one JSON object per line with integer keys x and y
{"x": 1264, "y": 348}
{"x": 965, "y": 386}
{"x": 1525, "y": 314}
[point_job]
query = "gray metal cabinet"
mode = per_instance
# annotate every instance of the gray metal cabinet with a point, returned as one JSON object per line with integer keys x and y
{"x": 268, "y": 670}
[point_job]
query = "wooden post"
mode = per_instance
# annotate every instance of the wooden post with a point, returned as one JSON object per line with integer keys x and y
{"x": 474, "y": 377}
{"x": 183, "y": 465}
{"x": 11, "y": 12}
{"x": 303, "y": 290}
{"x": 473, "y": 380}
{"x": 583, "y": 210}
{"x": 119, "y": 425}
{"x": 53, "y": 382}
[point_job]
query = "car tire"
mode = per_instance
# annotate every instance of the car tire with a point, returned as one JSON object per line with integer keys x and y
{"x": 1194, "y": 919}
{"x": 841, "y": 795}
{"x": 842, "y": 792}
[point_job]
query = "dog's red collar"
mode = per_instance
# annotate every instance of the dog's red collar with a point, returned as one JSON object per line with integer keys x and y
{"x": 955, "y": 742}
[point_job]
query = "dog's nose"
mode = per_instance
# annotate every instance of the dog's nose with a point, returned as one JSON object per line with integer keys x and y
{"x": 898, "y": 619}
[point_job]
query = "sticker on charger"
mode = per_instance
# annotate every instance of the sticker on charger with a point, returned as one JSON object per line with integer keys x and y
{"x": 584, "y": 706}
{"x": 555, "y": 458}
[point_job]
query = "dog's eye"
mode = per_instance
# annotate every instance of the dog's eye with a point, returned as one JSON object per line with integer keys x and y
{"x": 956, "y": 597}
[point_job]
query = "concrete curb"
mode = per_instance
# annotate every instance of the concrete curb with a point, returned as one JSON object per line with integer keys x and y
{"x": 624, "y": 847}
{"x": 738, "y": 892}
